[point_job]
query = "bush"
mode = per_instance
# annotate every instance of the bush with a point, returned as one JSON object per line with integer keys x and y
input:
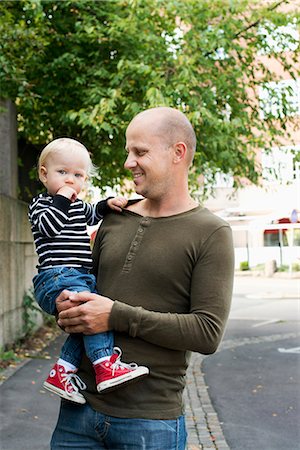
{"x": 31, "y": 310}
{"x": 283, "y": 268}
{"x": 244, "y": 265}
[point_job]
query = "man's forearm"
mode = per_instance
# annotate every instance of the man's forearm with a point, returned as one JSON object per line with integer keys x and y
{"x": 201, "y": 332}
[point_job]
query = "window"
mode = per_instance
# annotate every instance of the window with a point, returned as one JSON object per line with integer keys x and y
{"x": 223, "y": 180}
{"x": 280, "y": 165}
{"x": 280, "y": 99}
{"x": 274, "y": 238}
{"x": 278, "y": 39}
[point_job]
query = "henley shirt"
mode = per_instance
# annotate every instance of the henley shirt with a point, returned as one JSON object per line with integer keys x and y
{"x": 171, "y": 279}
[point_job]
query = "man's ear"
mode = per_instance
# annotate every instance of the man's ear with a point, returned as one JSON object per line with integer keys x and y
{"x": 43, "y": 174}
{"x": 179, "y": 152}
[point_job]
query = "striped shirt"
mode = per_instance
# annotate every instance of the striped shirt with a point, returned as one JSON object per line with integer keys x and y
{"x": 59, "y": 230}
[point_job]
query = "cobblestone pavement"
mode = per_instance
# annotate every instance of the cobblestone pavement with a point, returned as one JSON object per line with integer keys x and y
{"x": 204, "y": 429}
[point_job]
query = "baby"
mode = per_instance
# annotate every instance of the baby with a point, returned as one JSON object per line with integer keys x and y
{"x": 59, "y": 225}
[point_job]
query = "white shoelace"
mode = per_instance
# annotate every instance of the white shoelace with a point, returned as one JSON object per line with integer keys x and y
{"x": 119, "y": 364}
{"x": 74, "y": 380}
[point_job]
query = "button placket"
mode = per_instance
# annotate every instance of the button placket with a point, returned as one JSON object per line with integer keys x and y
{"x": 144, "y": 223}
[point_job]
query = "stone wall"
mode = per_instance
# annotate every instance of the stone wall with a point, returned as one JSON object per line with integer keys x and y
{"x": 18, "y": 261}
{"x": 18, "y": 258}
{"x": 8, "y": 149}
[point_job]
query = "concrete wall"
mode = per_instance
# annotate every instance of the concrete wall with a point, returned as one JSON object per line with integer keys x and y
{"x": 18, "y": 258}
{"x": 18, "y": 263}
{"x": 8, "y": 149}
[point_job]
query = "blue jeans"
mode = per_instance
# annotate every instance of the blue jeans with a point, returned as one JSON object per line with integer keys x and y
{"x": 80, "y": 427}
{"x": 48, "y": 284}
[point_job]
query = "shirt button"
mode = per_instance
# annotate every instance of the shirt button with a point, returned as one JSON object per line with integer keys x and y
{"x": 145, "y": 222}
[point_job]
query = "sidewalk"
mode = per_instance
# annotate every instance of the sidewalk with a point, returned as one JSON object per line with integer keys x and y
{"x": 28, "y": 413}
{"x": 203, "y": 426}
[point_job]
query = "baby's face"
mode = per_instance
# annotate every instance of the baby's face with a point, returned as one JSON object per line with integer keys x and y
{"x": 62, "y": 169}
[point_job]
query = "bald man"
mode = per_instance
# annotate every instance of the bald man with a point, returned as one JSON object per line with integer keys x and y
{"x": 165, "y": 269}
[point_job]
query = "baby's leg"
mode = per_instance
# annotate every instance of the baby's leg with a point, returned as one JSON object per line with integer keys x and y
{"x": 47, "y": 288}
{"x": 62, "y": 379}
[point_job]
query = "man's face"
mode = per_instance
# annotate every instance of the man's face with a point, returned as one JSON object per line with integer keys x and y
{"x": 149, "y": 159}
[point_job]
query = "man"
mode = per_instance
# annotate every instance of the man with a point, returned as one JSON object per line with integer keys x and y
{"x": 165, "y": 268}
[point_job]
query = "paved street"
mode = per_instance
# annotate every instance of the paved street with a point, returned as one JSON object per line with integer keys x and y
{"x": 27, "y": 413}
{"x": 245, "y": 397}
{"x": 254, "y": 379}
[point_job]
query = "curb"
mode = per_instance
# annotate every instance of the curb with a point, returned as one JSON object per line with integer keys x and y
{"x": 40, "y": 353}
{"x": 10, "y": 371}
{"x": 260, "y": 274}
{"x": 203, "y": 426}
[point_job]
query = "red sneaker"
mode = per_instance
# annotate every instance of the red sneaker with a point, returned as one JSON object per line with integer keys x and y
{"x": 113, "y": 372}
{"x": 65, "y": 384}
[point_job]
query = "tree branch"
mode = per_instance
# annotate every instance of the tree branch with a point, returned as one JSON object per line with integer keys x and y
{"x": 254, "y": 24}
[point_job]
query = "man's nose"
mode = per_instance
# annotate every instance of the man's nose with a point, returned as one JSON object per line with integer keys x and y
{"x": 130, "y": 162}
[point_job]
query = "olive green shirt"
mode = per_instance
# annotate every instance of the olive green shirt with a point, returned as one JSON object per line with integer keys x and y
{"x": 171, "y": 279}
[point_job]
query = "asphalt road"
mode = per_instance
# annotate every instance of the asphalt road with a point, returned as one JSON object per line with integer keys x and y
{"x": 28, "y": 413}
{"x": 254, "y": 379}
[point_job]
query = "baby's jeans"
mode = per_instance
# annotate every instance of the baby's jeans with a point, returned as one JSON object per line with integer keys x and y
{"x": 48, "y": 284}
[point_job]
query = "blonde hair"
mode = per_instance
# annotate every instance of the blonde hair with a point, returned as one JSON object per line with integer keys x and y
{"x": 61, "y": 145}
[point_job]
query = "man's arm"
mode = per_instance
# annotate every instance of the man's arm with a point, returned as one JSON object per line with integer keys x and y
{"x": 199, "y": 330}
{"x": 202, "y": 328}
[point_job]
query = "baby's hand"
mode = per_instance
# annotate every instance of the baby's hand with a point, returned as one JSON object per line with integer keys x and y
{"x": 68, "y": 192}
{"x": 117, "y": 203}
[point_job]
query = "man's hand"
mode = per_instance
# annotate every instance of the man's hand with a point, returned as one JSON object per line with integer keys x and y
{"x": 83, "y": 312}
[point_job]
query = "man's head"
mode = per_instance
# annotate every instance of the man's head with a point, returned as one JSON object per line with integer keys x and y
{"x": 161, "y": 144}
{"x": 171, "y": 125}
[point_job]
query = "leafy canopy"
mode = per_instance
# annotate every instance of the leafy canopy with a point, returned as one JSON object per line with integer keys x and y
{"x": 85, "y": 68}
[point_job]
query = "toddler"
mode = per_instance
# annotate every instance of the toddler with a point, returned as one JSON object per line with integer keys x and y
{"x": 58, "y": 221}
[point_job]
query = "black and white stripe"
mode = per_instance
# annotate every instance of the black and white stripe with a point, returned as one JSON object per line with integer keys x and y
{"x": 59, "y": 230}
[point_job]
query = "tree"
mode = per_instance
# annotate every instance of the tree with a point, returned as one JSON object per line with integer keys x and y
{"x": 85, "y": 68}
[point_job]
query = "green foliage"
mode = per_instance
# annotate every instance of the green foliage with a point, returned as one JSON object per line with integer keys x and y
{"x": 8, "y": 355}
{"x": 85, "y": 68}
{"x": 244, "y": 265}
{"x": 30, "y": 312}
{"x": 282, "y": 268}
{"x": 296, "y": 267}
